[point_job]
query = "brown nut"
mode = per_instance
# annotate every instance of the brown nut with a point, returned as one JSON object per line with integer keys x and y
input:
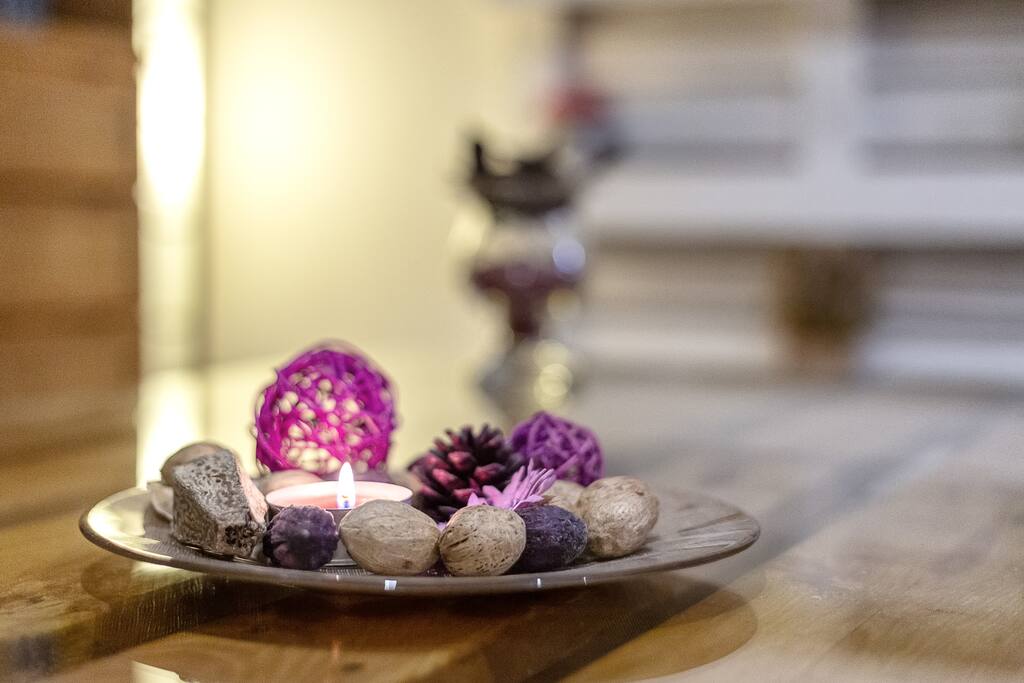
{"x": 566, "y": 495}
{"x": 619, "y": 512}
{"x": 482, "y": 541}
{"x": 388, "y": 537}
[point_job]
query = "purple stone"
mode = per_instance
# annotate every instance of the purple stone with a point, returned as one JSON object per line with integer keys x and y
{"x": 554, "y": 539}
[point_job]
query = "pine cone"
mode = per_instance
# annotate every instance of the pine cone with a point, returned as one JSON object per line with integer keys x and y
{"x": 462, "y": 465}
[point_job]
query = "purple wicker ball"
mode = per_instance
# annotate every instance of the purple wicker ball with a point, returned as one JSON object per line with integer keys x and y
{"x": 569, "y": 449}
{"x": 328, "y": 406}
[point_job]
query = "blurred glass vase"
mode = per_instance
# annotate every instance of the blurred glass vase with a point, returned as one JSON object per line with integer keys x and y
{"x": 531, "y": 260}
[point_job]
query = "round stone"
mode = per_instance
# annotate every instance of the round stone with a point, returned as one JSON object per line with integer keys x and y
{"x": 619, "y": 512}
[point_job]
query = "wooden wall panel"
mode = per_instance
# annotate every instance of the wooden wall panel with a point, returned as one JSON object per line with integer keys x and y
{"x": 62, "y": 256}
{"x": 68, "y": 229}
{"x": 55, "y": 124}
{"x": 73, "y": 51}
{"x": 64, "y": 365}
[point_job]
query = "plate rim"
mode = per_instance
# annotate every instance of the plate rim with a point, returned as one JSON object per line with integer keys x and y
{"x": 435, "y": 586}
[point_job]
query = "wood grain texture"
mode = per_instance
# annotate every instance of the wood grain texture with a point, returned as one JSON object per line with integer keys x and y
{"x": 838, "y": 476}
{"x": 68, "y": 231}
{"x": 924, "y": 585}
{"x": 66, "y": 255}
{"x": 79, "y": 127}
{"x": 67, "y": 50}
{"x": 79, "y": 476}
{"x": 64, "y": 601}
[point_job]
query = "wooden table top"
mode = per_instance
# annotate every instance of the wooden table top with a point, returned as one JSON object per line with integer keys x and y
{"x": 892, "y": 549}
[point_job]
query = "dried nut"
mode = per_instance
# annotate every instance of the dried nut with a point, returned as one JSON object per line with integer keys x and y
{"x": 554, "y": 539}
{"x": 161, "y": 497}
{"x": 482, "y": 541}
{"x": 619, "y": 512}
{"x": 565, "y": 494}
{"x": 279, "y": 480}
{"x": 388, "y": 537}
{"x": 191, "y": 452}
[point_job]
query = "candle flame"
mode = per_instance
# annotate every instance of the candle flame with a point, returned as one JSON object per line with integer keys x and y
{"x": 346, "y": 488}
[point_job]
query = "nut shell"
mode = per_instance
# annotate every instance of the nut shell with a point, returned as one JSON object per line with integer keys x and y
{"x": 482, "y": 541}
{"x": 554, "y": 538}
{"x": 619, "y": 512}
{"x": 388, "y": 537}
{"x": 566, "y": 495}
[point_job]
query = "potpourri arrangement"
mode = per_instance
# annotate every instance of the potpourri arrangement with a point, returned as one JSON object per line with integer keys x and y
{"x": 483, "y": 504}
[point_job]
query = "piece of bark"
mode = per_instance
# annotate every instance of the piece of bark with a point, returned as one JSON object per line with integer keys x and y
{"x": 217, "y": 507}
{"x": 184, "y": 456}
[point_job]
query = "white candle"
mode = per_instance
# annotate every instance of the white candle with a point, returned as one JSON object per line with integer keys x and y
{"x": 338, "y": 498}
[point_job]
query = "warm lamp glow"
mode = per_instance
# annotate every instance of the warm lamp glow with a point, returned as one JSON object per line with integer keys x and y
{"x": 346, "y": 488}
{"x": 172, "y": 102}
{"x": 169, "y": 40}
{"x": 170, "y": 416}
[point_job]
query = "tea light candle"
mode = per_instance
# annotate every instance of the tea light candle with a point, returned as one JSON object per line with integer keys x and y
{"x": 338, "y": 498}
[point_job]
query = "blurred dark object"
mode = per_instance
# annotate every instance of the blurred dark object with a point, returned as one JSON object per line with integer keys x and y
{"x": 580, "y": 109}
{"x": 69, "y": 244}
{"x": 529, "y": 187}
{"x": 530, "y": 259}
{"x": 109, "y": 12}
{"x": 593, "y": 135}
{"x": 24, "y": 11}
{"x": 823, "y": 302}
{"x": 525, "y": 288}
{"x": 529, "y": 252}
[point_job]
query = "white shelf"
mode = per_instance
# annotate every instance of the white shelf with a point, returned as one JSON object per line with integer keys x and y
{"x": 640, "y": 204}
{"x": 634, "y": 4}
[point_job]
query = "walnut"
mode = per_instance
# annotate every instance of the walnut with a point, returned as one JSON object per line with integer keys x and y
{"x": 388, "y": 537}
{"x": 482, "y": 541}
{"x": 566, "y": 495}
{"x": 619, "y": 512}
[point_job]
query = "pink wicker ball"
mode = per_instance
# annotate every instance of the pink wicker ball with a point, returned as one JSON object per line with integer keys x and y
{"x": 329, "y": 405}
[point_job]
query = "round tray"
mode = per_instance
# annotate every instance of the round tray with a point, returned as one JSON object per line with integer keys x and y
{"x": 692, "y": 529}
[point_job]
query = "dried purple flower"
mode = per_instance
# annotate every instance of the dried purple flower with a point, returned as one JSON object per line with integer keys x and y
{"x": 525, "y": 489}
{"x": 571, "y": 450}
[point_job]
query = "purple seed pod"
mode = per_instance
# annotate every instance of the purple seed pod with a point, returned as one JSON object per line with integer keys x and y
{"x": 554, "y": 538}
{"x": 303, "y": 537}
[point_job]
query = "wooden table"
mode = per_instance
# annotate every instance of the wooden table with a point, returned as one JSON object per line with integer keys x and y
{"x": 893, "y": 549}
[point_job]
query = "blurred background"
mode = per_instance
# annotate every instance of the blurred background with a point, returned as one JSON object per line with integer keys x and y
{"x": 731, "y": 193}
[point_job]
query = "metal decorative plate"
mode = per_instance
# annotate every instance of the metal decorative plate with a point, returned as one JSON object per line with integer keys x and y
{"x": 692, "y": 529}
